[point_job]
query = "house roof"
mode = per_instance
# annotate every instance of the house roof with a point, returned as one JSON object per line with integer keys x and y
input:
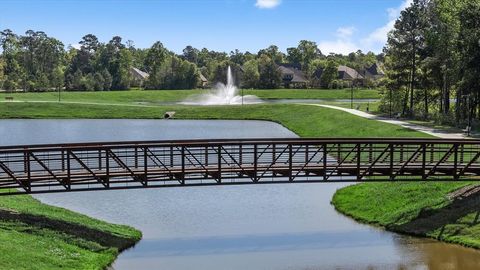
{"x": 375, "y": 70}
{"x": 139, "y": 74}
{"x": 202, "y": 78}
{"x": 296, "y": 74}
{"x": 347, "y": 73}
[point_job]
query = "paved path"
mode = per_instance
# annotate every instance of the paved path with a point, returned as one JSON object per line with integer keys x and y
{"x": 428, "y": 130}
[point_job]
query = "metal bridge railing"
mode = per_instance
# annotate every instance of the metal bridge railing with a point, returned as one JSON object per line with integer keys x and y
{"x": 123, "y": 165}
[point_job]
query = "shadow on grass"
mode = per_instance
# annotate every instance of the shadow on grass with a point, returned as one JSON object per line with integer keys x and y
{"x": 77, "y": 231}
{"x": 466, "y": 201}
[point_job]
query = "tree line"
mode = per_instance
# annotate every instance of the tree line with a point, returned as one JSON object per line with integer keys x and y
{"x": 37, "y": 62}
{"x": 432, "y": 61}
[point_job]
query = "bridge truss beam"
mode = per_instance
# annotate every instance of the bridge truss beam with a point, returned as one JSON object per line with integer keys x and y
{"x": 124, "y": 165}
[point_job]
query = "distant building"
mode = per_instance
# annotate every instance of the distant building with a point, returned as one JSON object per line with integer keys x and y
{"x": 138, "y": 77}
{"x": 374, "y": 72}
{"x": 349, "y": 77}
{"x": 292, "y": 77}
{"x": 348, "y": 74}
{"x": 202, "y": 80}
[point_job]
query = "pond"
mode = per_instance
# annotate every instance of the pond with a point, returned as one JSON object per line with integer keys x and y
{"x": 290, "y": 226}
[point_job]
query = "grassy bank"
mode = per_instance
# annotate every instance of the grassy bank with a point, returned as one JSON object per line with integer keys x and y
{"x": 162, "y": 96}
{"x": 38, "y": 236}
{"x": 306, "y": 121}
{"x": 445, "y": 211}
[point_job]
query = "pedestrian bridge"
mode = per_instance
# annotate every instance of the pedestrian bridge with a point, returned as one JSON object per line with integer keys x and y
{"x": 153, "y": 164}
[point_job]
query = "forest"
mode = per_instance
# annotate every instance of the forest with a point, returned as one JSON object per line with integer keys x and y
{"x": 432, "y": 62}
{"x": 37, "y": 62}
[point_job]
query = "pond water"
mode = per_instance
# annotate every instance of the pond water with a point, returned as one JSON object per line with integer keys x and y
{"x": 231, "y": 227}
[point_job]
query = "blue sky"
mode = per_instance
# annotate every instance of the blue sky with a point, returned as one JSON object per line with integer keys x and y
{"x": 338, "y": 26}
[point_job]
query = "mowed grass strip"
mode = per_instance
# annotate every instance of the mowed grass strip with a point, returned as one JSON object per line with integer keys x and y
{"x": 163, "y": 96}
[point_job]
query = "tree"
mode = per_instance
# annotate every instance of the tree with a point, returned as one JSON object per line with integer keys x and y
{"x": 237, "y": 57}
{"x": 274, "y": 53}
{"x": 174, "y": 73}
{"x": 404, "y": 46}
{"x": 294, "y": 56}
{"x": 12, "y": 71}
{"x": 468, "y": 95}
{"x": 98, "y": 81}
{"x": 190, "y": 54}
{"x": 309, "y": 51}
{"x": 270, "y": 76}
{"x": 329, "y": 74}
{"x": 251, "y": 74}
{"x": 117, "y": 59}
{"x": 107, "y": 79}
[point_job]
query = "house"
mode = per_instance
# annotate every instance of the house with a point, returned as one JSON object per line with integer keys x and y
{"x": 203, "y": 82}
{"x": 374, "y": 72}
{"x": 348, "y": 74}
{"x": 138, "y": 77}
{"x": 292, "y": 77}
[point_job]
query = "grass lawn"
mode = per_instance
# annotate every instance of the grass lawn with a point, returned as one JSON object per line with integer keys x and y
{"x": 306, "y": 121}
{"x": 423, "y": 209}
{"x": 38, "y": 236}
{"x": 162, "y": 96}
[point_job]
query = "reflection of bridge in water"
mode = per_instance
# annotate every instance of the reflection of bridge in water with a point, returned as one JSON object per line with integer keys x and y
{"x": 124, "y": 165}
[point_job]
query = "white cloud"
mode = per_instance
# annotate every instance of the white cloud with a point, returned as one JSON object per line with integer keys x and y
{"x": 76, "y": 46}
{"x": 338, "y": 46}
{"x": 343, "y": 44}
{"x": 374, "y": 41}
{"x": 345, "y": 32}
{"x": 267, "y": 3}
{"x": 379, "y": 36}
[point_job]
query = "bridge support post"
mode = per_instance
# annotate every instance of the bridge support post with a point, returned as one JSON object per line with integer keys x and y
{"x": 455, "y": 163}
{"x": 324, "y": 162}
{"x": 182, "y": 181}
{"x": 107, "y": 168}
{"x": 359, "y": 152}
{"x": 391, "y": 162}
{"x": 219, "y": 163}
{"x": 290, "y": 163}
{"x": 69, "y": 172}
{"x": 255, "y": 163}
{"x": 424, "y": 161}
{"x": 145, "y": 165}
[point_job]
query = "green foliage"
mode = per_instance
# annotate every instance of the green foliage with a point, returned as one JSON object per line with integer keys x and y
{"x": 251, "y": 74}
{"x": 329, "y": 74}
{"x": 173, "y": 73}
{"x": 432, "y": 56}
{"x": 270, "y": 76}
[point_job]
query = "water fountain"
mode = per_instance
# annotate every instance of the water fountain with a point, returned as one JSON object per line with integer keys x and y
{"x": 223, "y": 95}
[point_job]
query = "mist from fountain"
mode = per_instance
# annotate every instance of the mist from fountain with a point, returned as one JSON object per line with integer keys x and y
{"x": 223, "y": 95}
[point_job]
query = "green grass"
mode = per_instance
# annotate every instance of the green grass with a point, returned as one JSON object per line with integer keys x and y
{"x": 161, "y": 96}
{"x": 38, "y": 236}
{"x": 315, "y": 94}
{"x": 306, "y": 121}
{"x": 423, "y": 209}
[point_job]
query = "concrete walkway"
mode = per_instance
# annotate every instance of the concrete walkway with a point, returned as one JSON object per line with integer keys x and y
{"x": 428, "y": 130}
